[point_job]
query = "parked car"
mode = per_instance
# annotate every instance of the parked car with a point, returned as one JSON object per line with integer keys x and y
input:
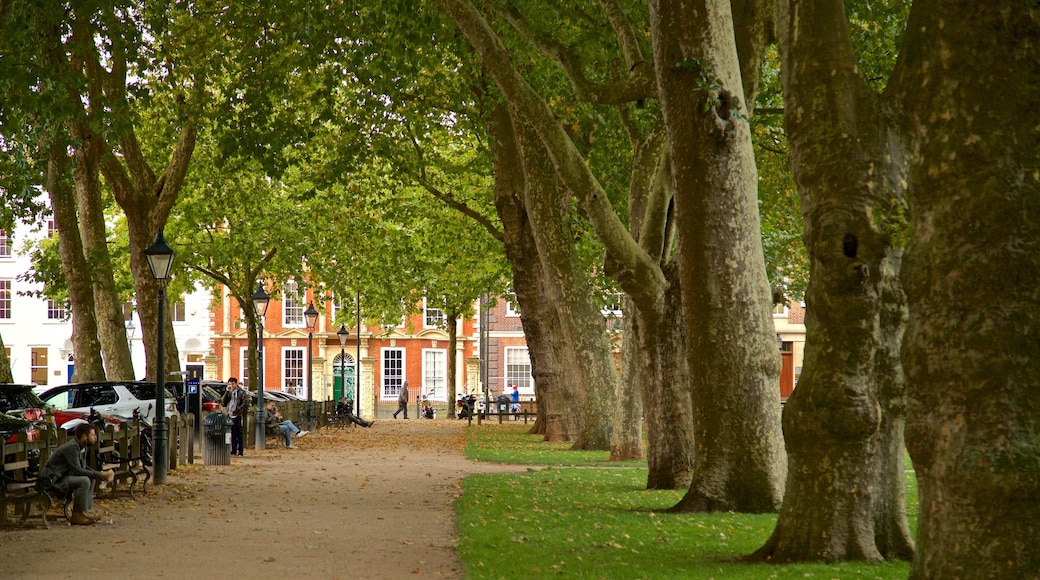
{"x": 212, "y": 391}
{"x": 118, "y": 398}
{"x": 285, "y": 396}
{"x": 22, "y": 411}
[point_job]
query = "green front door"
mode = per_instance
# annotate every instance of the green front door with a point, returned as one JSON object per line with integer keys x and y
{"x": 337, "y": 385}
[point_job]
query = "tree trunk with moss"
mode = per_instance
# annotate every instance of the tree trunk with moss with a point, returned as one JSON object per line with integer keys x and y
{"x": 115, "y": 349}
{"x": 970, "y": 85}
{"x": 740, "y": 463}
{"x": 843, "y": 424}
{"x": 85, "y": 343}
{"x": 553, "y": 373}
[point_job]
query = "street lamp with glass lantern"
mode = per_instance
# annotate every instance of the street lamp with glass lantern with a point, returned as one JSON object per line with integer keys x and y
{"x": 260, "y": 300}
{"x": 342, "y": 335}
{"x": 160, "y": 262}
{"x": 312, "y": 318}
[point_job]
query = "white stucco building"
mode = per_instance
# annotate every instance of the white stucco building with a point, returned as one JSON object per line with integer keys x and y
{"x": 37, "y": 332}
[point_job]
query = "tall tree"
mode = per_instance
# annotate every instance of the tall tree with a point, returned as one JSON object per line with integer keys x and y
{"x": 844, "y": 423}
{"x": 733, "y": 363}
{"x": 969, "y": 81}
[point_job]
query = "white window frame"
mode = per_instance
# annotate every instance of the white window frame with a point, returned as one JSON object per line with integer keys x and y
{"x": 615, "y": 309}
{"x": 6, "y": 298}
{"x": 517, "y": 358}
{"x": 391, "y": 381}
{"x": 512, "y": 306}
{"x": 435, "y": 373}
{"x": 294, "y": 368}
{"x": 782, "y": 314}
{"x": 243, "y": 367}
{"x": 56, "y": 311}
{"x": 5, "y": 245}
{"x": 292, "y": 306}
{"x": 432, "y": 317}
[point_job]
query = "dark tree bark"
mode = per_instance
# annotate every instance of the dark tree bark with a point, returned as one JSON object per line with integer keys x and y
{"x": 843, "y": 424}
{"x": 733, "y": 363}
{"x": 552, "y": 374}
{"x": 969, "y": 83}
{"x": 580, "y": 320}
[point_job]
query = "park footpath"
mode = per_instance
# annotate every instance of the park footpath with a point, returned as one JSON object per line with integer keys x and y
{"x": 347, "y": 503}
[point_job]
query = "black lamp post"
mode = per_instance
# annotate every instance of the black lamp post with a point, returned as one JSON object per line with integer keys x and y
{"x": 260, "y": 300}
{"x": 312, "y": 317}
{"x": 342, "y": 335}
{"x": 160, "y": 261}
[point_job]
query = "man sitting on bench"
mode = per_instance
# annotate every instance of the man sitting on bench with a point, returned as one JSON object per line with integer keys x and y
{"x": 288, "y": 428}
{"x": 66, "y": 471}
{"x": 345, "y": 410}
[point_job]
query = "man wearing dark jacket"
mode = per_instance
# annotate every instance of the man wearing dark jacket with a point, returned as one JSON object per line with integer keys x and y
{"x": 236, "y": 401}
{"x": 67, "y": 470}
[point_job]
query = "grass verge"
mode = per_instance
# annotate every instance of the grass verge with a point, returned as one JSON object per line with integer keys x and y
{"x": 577, "y": 522}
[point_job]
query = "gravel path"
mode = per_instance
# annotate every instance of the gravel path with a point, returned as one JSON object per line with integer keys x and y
{"x": 350, "y": 503}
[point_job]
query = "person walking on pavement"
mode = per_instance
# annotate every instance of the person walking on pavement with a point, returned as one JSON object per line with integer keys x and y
{"x": 402, "y": 401}
{"x": 236, "y": 401}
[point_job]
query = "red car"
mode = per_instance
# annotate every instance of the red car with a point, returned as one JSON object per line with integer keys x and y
{"x": 24, "y": 411}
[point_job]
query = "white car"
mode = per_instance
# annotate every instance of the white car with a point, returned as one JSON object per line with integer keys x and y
{"x": 116, "y": 398}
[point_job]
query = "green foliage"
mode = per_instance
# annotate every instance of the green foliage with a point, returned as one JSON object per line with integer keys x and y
{"x": 787, "y": 261}
{"x": 601, "y": 522}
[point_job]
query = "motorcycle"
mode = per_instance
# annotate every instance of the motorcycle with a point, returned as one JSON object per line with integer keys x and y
{"x": 426, "y": 410}
{"x": 465, "y": 406}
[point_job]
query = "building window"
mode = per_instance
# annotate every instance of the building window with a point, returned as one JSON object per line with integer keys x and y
{"x": 518, "y": 370}
{"x": 780, "y": 310}
{"x": 5, "y": 299}
{"x": 39, "y": 365}
{"x": 5, "y": 244}
{"x": 614, "y": 308}
{"x": 55, "y": 310}
{"x": 512, "y": 306}
{"x": 179, "y": 311}
{"x": 432, "y": 317}
{"x": 435, "y": 379}
{"x": 51, "y": 228}
{"x": 292, "y": 306}
{"x": 393, "y": 372}
{"x": 292, "y": 369}
{"x": 243, "y": 377}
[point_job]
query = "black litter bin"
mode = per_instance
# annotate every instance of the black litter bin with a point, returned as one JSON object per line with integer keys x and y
{"x": 216, "y": 448}
{"x": 503, "y": 402}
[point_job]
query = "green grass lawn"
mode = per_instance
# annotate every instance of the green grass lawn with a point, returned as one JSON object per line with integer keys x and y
{"x": 593, "y": 519}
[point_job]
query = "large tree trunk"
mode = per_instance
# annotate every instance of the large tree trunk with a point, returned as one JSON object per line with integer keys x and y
{"x": 581, "y": 321}
{"x": 971, "y": 273}
{"x": 848, "y": 166}
{"x": 115, "y": 350}
{"x": 553, "y": 375}
{"x": 85, "y": 343}
{"x": 740, "y": 461}
{"x": 666, "y": 394}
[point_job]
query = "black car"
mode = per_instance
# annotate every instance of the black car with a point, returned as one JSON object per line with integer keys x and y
{"x": 21, "y": 410}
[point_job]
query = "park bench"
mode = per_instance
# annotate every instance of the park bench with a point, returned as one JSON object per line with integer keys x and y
{"x": 19, "y": 489}
{"x": 528, "y": 410}
{"x": 120, "y": 451}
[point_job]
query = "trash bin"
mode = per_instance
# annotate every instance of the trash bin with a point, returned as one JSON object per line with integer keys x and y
{"x": 216, "y": 448}
{"x": 503, "y": 401}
